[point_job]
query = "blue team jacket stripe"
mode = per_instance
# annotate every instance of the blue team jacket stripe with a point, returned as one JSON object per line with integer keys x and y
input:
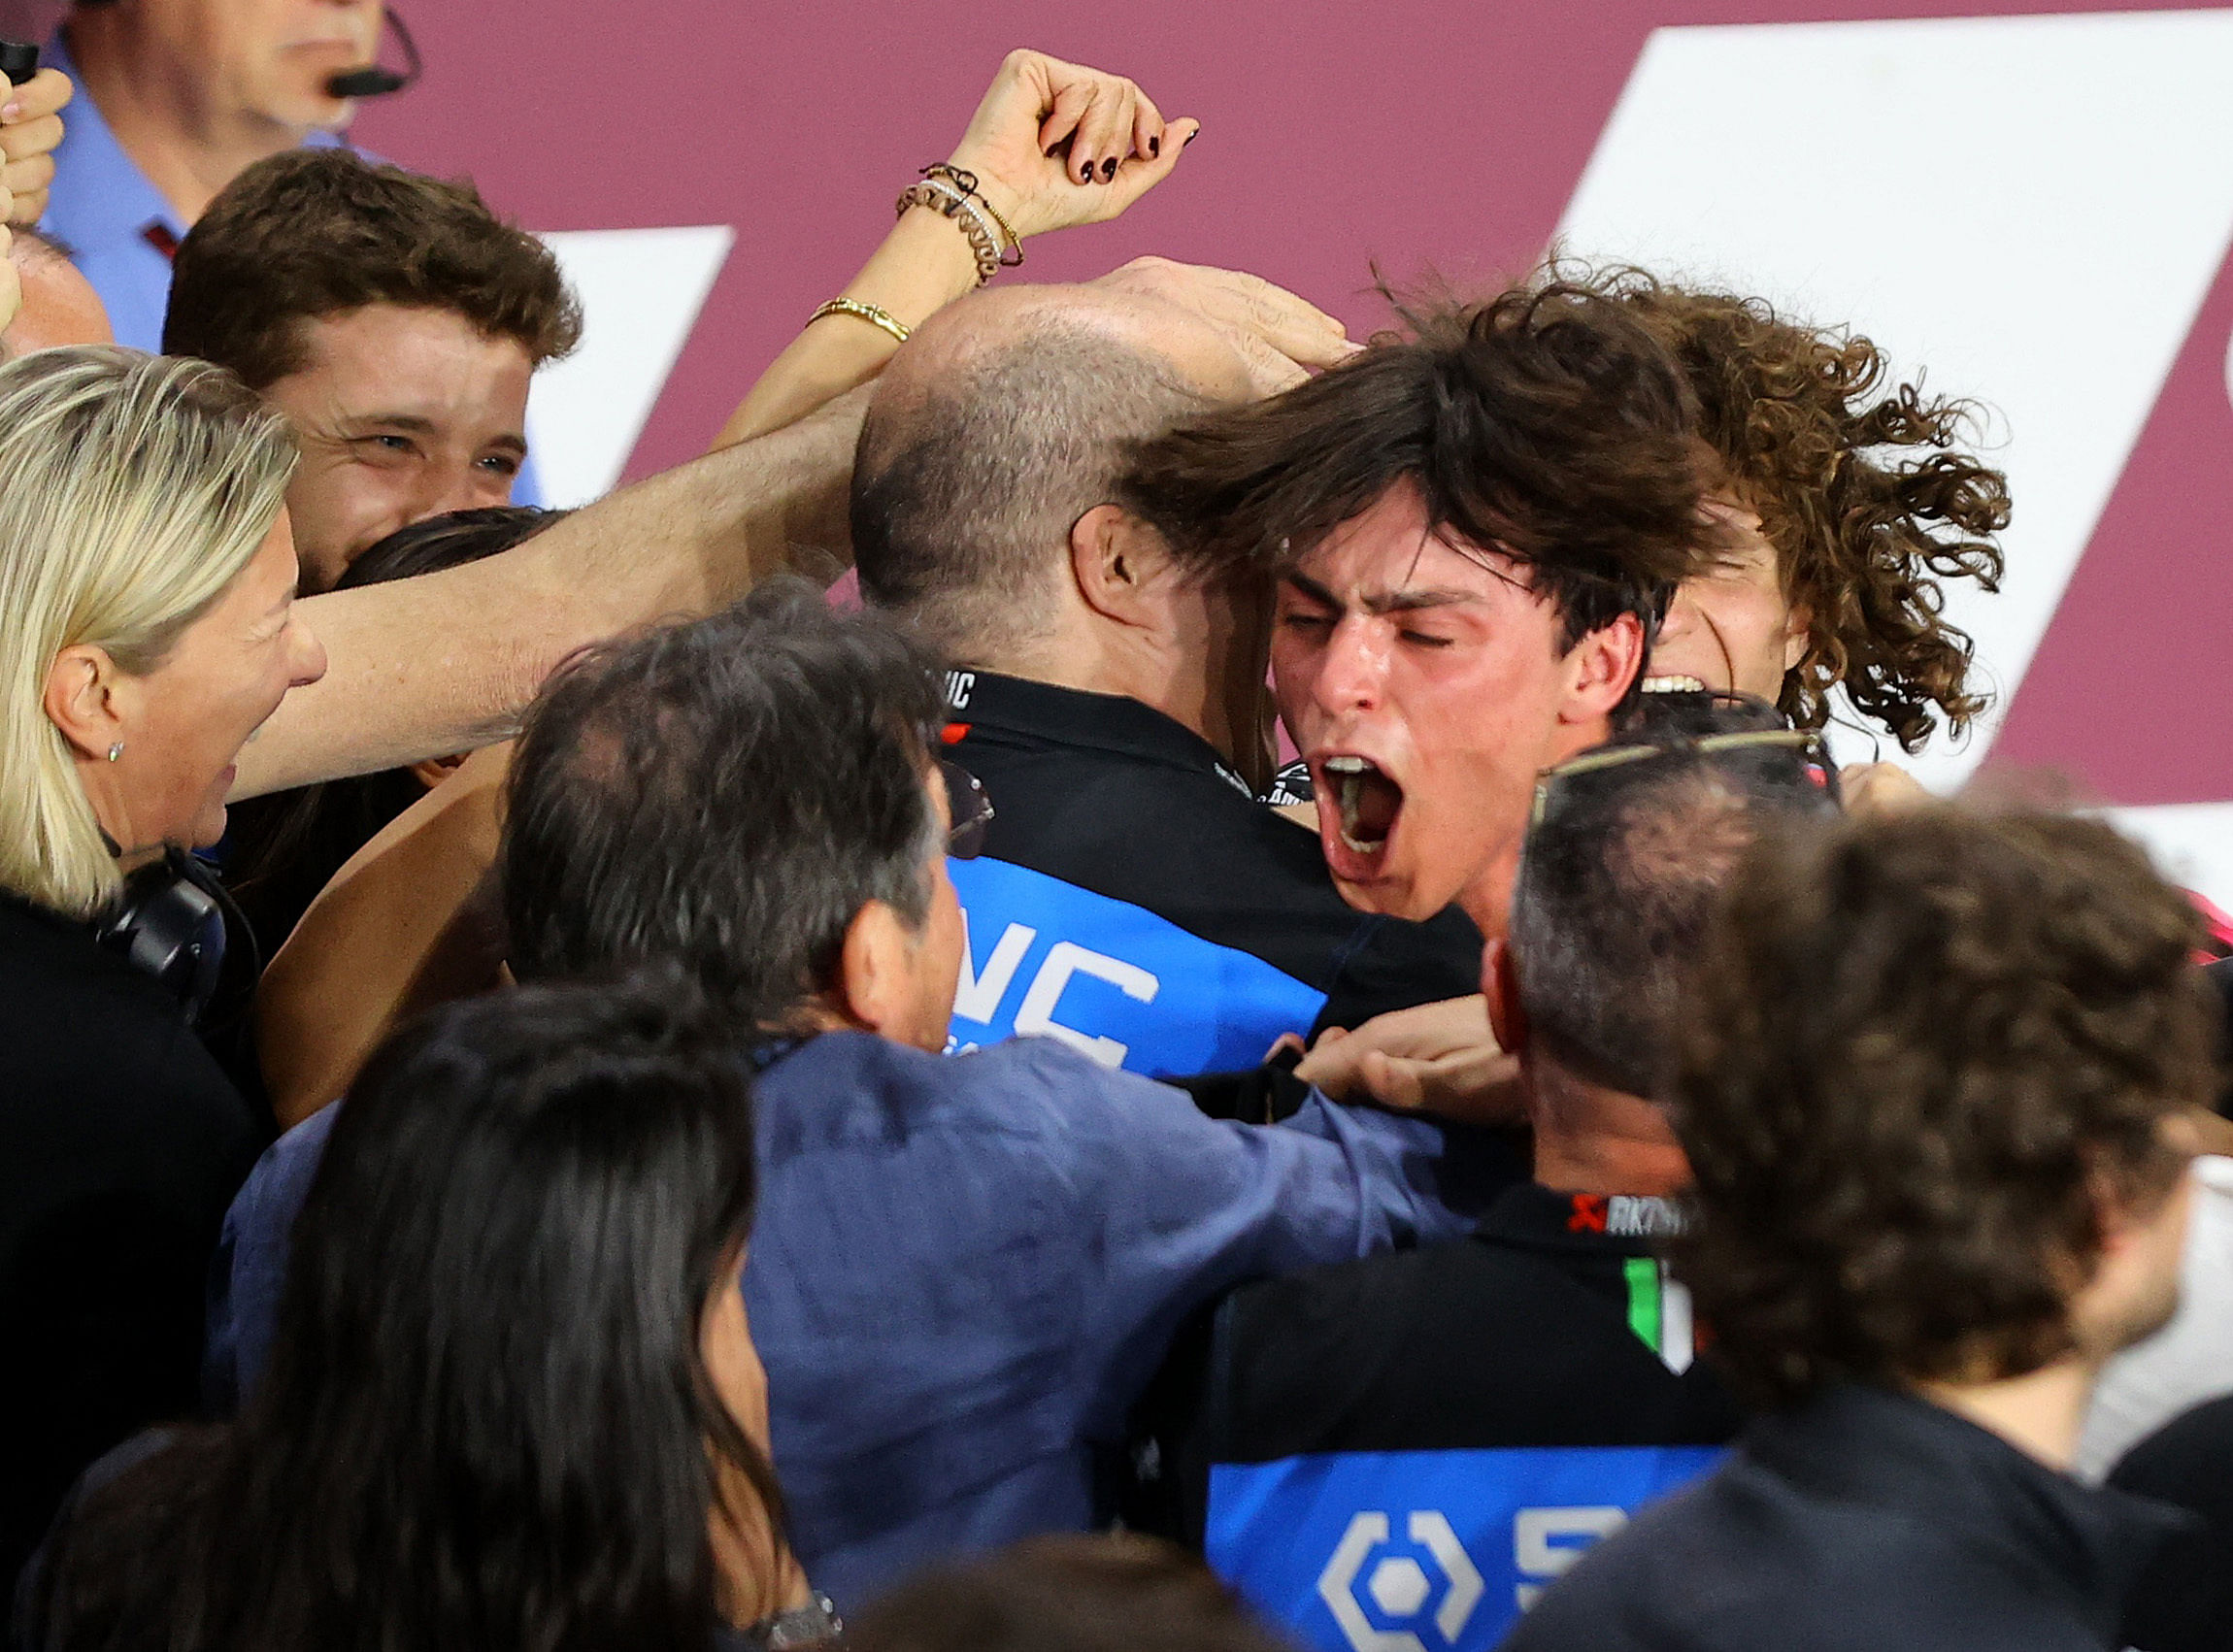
{"x": 1127, "y": 987}
{"x": 1424, "y": 1551}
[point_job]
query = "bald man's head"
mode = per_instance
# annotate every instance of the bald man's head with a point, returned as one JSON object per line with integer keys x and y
{"x": 1003, "y": 421}
{"x": 59, "y": 304}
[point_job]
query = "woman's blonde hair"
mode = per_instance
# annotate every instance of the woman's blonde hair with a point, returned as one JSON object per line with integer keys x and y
{"x": 133, "y": 489}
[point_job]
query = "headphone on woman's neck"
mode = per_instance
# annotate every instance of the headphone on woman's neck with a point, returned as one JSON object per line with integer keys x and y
{"x": 171, "y": 925}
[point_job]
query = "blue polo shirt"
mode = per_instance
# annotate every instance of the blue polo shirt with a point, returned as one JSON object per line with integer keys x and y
{"x": 123, "y": 231}
{"x": 118, "y": 222}
{"x": 965, "y": 1269}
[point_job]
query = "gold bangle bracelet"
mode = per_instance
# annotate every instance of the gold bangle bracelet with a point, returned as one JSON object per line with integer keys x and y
{"x": 876, "y": 316}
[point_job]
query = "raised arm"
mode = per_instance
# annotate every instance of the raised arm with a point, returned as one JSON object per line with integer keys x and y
{"x": 444, "y": 663}
{"x": 1052, "y": 144}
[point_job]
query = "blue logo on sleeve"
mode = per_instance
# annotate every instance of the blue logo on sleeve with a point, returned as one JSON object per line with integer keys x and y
{"x": 1112, "y": 979}
{"x": 1424, "y": 1551}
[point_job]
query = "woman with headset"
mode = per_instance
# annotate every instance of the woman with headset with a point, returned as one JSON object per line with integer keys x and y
{"x": 146, "y": 630}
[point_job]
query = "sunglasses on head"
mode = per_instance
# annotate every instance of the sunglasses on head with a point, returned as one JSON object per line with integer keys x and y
{"x": 1807, "y": 742}
{"x": 969, "y": 810}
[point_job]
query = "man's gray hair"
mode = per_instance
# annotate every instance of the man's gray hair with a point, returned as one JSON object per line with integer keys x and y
{"x": 964, "y": 493}
{"x": 1619, "y": 876}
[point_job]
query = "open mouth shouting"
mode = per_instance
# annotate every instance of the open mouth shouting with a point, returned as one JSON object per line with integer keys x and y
{"x": 1359, "y": 805}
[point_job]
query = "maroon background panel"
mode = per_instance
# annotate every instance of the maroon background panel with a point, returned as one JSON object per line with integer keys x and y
{"x": 2129, "y": 691}
{"x": 1419, "y": 135}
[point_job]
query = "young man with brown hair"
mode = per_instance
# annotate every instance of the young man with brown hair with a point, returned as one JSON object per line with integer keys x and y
{"x": 1931, "y": 1092}
{"x": 1106, "y": 689}
{"x": 393, "y": 318}
{"x": 1475, "y": 529}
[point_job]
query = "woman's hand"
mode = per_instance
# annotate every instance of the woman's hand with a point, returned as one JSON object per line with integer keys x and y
{"x": 1056, "y": 144}
{"x": 1052, "y": 145}
{"x": 31, "y": 131}
{"x": 1282, "y": 339}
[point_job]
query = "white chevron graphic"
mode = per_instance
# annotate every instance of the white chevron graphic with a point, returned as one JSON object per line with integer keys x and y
{"x": 641, "y": 291}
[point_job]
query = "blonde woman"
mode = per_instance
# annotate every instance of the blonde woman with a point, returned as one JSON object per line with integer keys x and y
{"x": 146, "y": 630}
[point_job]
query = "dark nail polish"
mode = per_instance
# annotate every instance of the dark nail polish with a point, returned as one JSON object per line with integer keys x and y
{"x": 1192, "y": 136}
{"x": 1109, "y": 169}
{"x": 1053, "y": 149}
{"x": 1086, "y": 173}
{"x": 1155, "y": 147}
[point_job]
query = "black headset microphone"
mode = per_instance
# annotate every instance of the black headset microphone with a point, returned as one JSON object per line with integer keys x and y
{"x": 372, "y": 81}
{"x": 171, "y": 923}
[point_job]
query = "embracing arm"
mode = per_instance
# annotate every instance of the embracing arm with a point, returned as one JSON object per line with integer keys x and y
{"x": 418, "y": 667}
{"x": 1052, "y": 144}
{"x": 408, "y": 923}
{"x": 1188, "y": 1207}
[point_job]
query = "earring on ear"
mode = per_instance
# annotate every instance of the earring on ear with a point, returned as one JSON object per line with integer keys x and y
{"x": 115, "y": 751}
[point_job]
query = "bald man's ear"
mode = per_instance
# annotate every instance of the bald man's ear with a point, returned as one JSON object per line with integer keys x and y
{"x": 1119, "y": 564}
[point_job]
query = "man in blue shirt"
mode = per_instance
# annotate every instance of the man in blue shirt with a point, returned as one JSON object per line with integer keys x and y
{"x": 964, "y": 1270}
{"x": 177, "y": 97}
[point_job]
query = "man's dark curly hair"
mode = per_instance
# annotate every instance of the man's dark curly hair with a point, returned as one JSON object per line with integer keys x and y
{"x": 1544, "y": 423}
{"x": 1914, "y": 1043}
{"x": 1865, "y": 491}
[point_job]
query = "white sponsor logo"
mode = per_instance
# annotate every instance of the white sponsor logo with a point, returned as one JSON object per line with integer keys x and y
{"x": 978, "y": 994}
{"x": 641, "y": 291}
{"x": 1635, "y": 1217}
{"x": 2117, "y": 117}
{"x": 1398, "y": 1585}
{"x": 1547, "y": 1541}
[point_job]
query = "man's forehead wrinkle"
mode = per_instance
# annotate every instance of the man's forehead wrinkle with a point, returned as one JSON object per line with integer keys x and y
{"x": 1516, "y": 574}
{"x": 1427, "y": 536}
{"x": 1406, "y": 595}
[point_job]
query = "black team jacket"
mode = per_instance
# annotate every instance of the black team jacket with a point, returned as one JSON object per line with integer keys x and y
{"x": 1863, "y": 1519}
{"x": 1134, "y": 901}
{"x": 1413, "y": 1447}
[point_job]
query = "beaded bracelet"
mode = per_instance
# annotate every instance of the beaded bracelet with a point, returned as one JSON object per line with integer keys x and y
{"x": 947, "y": 202}
{"x": 962, "y": 179}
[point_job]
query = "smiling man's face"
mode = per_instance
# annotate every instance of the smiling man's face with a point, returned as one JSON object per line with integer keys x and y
{"x": 402, "y": 413}
{"x": 1427, "y": 686}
